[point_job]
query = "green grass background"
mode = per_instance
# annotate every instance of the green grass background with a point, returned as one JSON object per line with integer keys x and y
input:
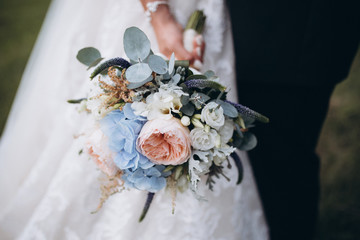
{"x": 339, "y": 145}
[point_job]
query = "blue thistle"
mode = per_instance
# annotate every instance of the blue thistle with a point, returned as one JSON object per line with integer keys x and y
{"x": 203, "y": 83}
{"x": 247, "y": 112}
{"x": 109, "y": 63}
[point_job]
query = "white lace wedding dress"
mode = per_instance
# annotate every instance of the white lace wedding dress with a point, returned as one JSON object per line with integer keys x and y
{"x": 48, "y": 190}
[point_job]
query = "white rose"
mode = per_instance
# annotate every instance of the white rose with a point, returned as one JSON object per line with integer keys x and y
{"x": 202, "y": 139}
{"x": 213, "y": 115}
{"x": 226, "y": 131}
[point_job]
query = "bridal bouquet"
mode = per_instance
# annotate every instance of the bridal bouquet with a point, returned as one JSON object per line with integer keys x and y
{"x": 159, "y": 124}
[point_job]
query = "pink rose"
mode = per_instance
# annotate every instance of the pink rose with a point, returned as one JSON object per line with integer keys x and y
{"x": 97, "y": 148}
{"x": 165, "y": 142}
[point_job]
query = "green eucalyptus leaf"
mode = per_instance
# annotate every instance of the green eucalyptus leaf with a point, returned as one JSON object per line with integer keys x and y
{"x": 209, "y": 74}
{"x": 88, "y": 56}
{"x": 199, "y": 99}
{"x": 134, "y": 85}
{"x": 96, "y": 62}
{"x": 136, "y": 44}
{"x": 184, "y": 99}
{"x": 229, "y": 110}
{"x": 175, "y": 79}
{"x": 137, "y": 73}
{"x": 188, "y": 109}
{"x": 249, "y": 142}
{"x": 157, "y": 64}
{"x": 171, "y": 63}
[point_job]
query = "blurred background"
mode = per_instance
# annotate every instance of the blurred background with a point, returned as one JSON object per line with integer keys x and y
{"x": 339, "y": 143}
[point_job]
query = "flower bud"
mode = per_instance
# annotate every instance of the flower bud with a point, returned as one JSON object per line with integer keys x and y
{"x": 197, "y": 123}
{"x": 185, "y": 121}
{"x": 207, "y": 128}
{"x": 197, "y": 116}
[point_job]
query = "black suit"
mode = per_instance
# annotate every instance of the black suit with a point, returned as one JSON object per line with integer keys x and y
{"x": 289, "y": 56}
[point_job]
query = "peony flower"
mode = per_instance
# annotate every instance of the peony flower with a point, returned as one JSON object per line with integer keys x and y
{"x": 165, "y": 141}
{"x": 122, "y": 128}
{"x": 151, "y": 179}
{"x": 213, "y": 115}
{"x": 204, "y": 139}
{"x": 97, "y": 147}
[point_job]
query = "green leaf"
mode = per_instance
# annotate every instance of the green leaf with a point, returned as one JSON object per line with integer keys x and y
{"x": 196, "y": 76}
{"x": 249, "y": 142}
{"x": 184, "y": 99}
{"x": 88, "y": 56}
{"x": 76, "y": 101}
{"x": 229, "y": 110}
{"x": 96, "y": 62}
{"x": 157, "y": 64}
{"x": 175, "y": 79}
{"x": 136, "y": 44}
{"x": 188, "y": 109}
{"x": 137, "y": 73}
{"x": 199, "y": 99}
{"x": 138, "y": 84}
{"x": 209, "y": 74}
{"x": 171, "y": 63}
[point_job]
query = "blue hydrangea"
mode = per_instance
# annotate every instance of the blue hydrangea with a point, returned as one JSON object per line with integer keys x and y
{"x": 122, "y": 129}
{"x": 151, "y": 179}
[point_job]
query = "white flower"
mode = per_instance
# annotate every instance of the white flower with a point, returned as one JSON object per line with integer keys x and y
{"x": 96, "y": 101}
{"x": 220, "y": 154}
{"x": 160, "y": 104}
{"x": 199, "y": 165}
{"x": 226, "y": 131}
{"x": 202, "y": 139}
{"x": 213, "y": 115}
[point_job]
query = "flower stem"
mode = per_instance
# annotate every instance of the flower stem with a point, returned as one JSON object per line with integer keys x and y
{"x": 196, "y": 21}
{"x": 149, "y": 199}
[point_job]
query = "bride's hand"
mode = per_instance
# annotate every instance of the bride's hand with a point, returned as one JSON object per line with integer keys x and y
{"x": 169, "y": 34}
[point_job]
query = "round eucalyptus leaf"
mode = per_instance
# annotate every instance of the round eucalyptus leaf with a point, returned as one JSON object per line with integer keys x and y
{"x": 209, "y": 74}
{"x": 96, "y": 62}
{"x": 184, "y": 99}
{"x": 138, "y": 84}
{"x": 229, "y": 110}
{"x": 88, "y": 55}
{"x": 138, "y": 73}
{"x": 249, "y": 142}
{"x": 171, "y": 63}
{"x": 175, "y": 79}
{"x": 157, "y": 64}
{"x": 136, "y": 44}
{"x": 188, "y": 109}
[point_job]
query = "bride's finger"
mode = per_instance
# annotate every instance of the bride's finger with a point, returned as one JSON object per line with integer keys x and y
{"x": 182, "y": 54}
{"x": 198, "y": 47}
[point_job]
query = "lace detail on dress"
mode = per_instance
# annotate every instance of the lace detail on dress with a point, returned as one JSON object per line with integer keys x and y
{"x": 58, "y": 188}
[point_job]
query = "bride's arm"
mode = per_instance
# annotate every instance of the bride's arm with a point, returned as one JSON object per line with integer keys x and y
{"x": 169, "y": 33}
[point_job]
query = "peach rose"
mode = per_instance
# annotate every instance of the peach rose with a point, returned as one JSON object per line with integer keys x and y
{"x": 165, "y": 141}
